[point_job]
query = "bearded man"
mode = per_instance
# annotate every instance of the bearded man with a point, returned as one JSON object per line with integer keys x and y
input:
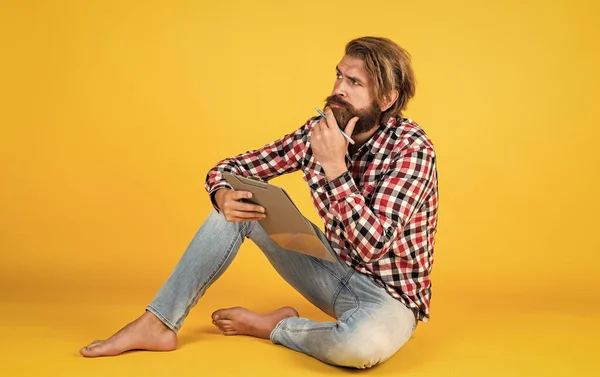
{"x": 378, "y": 199}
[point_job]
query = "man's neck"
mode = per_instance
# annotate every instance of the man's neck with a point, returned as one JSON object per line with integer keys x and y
{"x": 361, "y": 139}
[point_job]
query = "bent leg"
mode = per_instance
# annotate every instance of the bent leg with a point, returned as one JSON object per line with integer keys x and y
{"x": 318, "y": 280}
{"x": 208, "y": 255}
{"x": 371, "y": 324}
{"x": 366, "y": 333}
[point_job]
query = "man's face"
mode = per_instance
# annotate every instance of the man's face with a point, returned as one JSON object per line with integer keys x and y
{"x": 352, "y": 96}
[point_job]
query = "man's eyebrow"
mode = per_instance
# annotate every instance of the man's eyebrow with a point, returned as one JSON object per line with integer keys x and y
{"x": 337, "y": 69}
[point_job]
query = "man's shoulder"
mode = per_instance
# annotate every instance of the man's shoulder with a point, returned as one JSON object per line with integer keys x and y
{"x": 311, "y": 121}
{"x": 411, "y": 137}
{"x": 304, "y": 129}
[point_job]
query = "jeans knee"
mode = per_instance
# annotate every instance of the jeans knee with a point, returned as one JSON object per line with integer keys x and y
{"x": 220, "y": 222}
{"x": 362, "y": 350}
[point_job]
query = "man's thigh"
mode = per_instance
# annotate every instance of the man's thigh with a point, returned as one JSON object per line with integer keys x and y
{"x": 318, "y": 280}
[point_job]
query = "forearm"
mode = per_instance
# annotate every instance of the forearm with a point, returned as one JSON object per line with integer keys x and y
{"x": 334, "y": 171}
{"x": 277, "y": 158}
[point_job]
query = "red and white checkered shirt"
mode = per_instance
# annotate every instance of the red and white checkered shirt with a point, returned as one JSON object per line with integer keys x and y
{"x": 380, "y": 216}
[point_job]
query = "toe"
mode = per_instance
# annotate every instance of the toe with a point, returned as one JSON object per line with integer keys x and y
{"x": 85, "y": 351}
{"x": 224, "y": 325}
{"x": 224, "y": 313}
{"x": 97, "y": 348}
{"x": 222, "y": 322}
{"x": 88, "y": 351}
{"x": 218, "y": 314}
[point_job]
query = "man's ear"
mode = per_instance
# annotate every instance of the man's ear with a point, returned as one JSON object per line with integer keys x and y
{"x": 389, "y": 100}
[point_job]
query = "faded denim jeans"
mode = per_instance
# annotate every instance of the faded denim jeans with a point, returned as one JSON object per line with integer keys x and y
{"x": 371, "y": 325}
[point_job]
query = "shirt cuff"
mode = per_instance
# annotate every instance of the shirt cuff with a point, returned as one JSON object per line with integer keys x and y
{"x": 341, "y": 187}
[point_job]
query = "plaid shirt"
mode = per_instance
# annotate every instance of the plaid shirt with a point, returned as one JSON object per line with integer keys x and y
{"x": 380, "y": 216}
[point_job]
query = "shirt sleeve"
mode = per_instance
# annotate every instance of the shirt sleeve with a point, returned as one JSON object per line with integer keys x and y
{"x": 279, "y": 157}
{"x": 372, "y": 230}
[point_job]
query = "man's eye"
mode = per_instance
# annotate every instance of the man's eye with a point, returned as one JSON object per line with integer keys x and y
{"x": 354, "y": 82}
{"x": 338, "y": 75}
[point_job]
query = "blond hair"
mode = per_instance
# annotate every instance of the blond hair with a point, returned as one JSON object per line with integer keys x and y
{"x": 389, "y": 67}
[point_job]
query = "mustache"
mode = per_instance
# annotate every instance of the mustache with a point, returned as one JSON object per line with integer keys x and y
{"x": 337, "y": 100}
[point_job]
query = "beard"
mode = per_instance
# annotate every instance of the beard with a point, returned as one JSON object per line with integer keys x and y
{"x": 368, "y": 118}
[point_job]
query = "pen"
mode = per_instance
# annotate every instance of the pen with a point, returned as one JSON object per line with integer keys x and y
{"x": 343, "y": 133}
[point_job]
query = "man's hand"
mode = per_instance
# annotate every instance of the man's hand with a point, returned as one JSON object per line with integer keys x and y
{"x": 329, "y": 145}
{"x": 234, "y": 209}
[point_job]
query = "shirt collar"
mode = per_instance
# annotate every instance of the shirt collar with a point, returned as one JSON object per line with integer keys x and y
{"x": 382, "y": 136}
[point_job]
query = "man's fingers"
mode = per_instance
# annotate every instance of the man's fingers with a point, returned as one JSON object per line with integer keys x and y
{"x": 322, "y": 123}
{"x": 247, "y": 207}
{"x": 246, "y": 215}
{"x": 237, "y": 204}
{"x": 316, "y": 133}
{"x": 241, "y": 195}
{"x": 317, "y": 127}
{"x": 331, "y": 121}
{"x": 240, "y": 220}
{"x": 240, "y": 216}
{"x": 350, "y": 126}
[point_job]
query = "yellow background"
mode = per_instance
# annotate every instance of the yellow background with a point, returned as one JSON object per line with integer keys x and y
{"x": 112, "y": 112}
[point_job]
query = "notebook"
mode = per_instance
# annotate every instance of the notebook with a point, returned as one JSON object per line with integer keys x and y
{"x": 284, "y": 224}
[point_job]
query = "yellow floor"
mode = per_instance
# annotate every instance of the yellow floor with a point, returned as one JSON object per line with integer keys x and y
{"x": 470, "y": 334}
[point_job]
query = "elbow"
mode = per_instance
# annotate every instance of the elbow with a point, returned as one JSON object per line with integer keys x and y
{"x": 379, "y": 248}
{"x": 375, "y": 252}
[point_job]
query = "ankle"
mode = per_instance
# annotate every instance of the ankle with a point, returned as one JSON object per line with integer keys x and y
{"x": 153, "y": 321}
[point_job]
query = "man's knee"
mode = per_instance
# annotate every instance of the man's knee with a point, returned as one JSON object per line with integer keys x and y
{"x": 362, "y": 349}
{"x": 218, "y": 221}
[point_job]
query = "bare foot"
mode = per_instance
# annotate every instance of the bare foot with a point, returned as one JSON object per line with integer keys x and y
{"x": 241, "y": 321}
{"x": 145, "y": 333}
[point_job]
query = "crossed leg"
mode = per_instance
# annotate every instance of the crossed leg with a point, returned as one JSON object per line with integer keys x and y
{"x": 365, "y": 313}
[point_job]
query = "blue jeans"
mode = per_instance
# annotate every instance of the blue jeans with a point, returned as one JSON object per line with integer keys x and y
{"x": 371, "y": 325}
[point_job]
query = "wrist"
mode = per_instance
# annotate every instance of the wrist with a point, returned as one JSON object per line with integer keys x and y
{"x": 218, "y": 195}
{"x": 334, "y": 171}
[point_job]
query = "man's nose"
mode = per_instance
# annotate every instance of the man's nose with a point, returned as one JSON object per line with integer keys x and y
{"x": 339, "y": 90}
